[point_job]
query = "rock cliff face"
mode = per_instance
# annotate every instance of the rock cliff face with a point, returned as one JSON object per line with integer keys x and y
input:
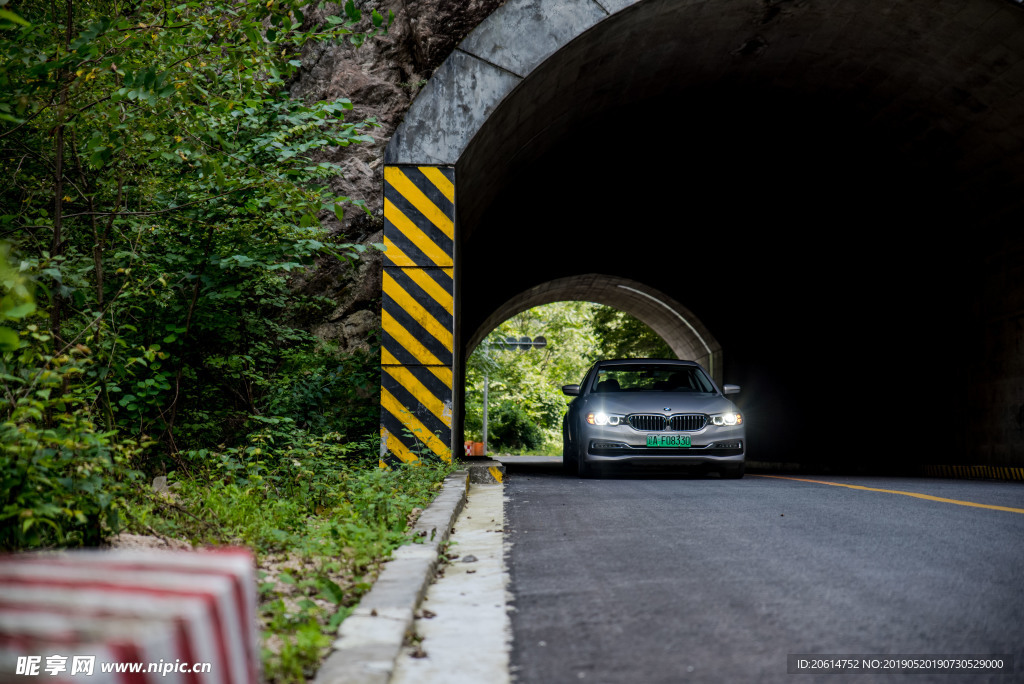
{"x": 381, "y": 78}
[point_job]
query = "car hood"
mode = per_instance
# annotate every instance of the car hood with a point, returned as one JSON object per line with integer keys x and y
{"x": 659, "y": 402}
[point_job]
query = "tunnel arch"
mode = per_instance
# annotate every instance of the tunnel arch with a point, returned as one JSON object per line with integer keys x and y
{"x": 684, "y": 333}
{"x": 867, "y": 160}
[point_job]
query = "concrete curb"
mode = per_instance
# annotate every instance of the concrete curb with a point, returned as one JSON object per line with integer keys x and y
{"x": 485, "y": 471}
{"x": 371, "y": 638}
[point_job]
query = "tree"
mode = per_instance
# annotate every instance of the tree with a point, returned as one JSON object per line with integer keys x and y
{"x": 525, "y": 386}
{"x": 623, "y": 336}
{"x": 161, "y": 186}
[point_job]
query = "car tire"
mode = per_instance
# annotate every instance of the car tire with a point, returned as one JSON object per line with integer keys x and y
{"x": 569, "y": 466}
{"x": 734, "y": 473}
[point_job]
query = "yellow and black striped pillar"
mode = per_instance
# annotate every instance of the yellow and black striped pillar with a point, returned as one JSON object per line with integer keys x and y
{"x": 418, "y": 313}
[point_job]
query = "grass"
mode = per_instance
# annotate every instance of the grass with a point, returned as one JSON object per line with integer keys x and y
{"x": 320, "y": 516}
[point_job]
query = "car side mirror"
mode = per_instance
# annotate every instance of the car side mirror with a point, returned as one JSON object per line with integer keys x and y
{"x": 730, "y": 389}
{"x": 571, "y": 390}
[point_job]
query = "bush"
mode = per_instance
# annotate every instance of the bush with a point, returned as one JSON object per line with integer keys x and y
{"x": 514, "y": 430}
{"x": 63, "y": 481}
{"x": 325, "y": 391}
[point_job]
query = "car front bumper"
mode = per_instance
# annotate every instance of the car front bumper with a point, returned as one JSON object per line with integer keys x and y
{"x": 709, "y": 447}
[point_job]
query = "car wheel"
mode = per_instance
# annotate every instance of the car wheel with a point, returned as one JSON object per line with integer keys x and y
{"x": 734, "y": 473}
{"x": 569, "y": 466}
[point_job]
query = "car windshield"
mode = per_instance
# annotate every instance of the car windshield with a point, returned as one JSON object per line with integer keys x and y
{"x": 653, "y": 378}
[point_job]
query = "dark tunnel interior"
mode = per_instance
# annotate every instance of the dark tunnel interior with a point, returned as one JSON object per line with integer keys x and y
{"x": 837, "y": 270}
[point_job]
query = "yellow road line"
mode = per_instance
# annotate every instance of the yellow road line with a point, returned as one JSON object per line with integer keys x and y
{"x": 927, "y": 497}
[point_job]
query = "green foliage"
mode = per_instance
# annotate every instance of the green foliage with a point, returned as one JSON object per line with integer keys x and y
{"x": 18, "y": 300}
{"x": 323, "y": 391}
{"x": 63, "y": 481}
{"x": 299, "y": 655}
{"x": 514, "y": 429}
{"x": 317, "y": 504}
{"x": 530, "y": 380}
{"x": 525, "y": 397}
{"x": 624, "y": 337}
{"x": 162, "y": 188}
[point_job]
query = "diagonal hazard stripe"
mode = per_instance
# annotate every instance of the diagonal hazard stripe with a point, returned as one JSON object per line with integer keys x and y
{"x": 392, "y": 444}
{"x": 413, "y": 424}
{"x": 408, "y": 342}
{"x": 395, "y": 255}
{"x": 400, "y": 182}
{"x": 411, "y": 319}
{"x": 408, "y": 381}
{"x": 443, "y": 373}
{"x": 411, "y": 231}
{"x": 417, "y": 389}
{"x": 418, "y": 312}
{"x": 440, "y": 181}
{"x": 430, "y": 286}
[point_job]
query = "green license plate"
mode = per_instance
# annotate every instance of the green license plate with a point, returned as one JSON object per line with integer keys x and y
{"x": 668, "y": 440}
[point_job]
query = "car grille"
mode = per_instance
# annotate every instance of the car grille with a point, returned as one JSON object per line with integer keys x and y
{"x": 655, "y": 422}
{"x": 646, "y": 421}
{"x": 688, "y": 422}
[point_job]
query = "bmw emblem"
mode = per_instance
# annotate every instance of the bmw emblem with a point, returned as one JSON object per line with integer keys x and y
{"x": 667, "y": 408}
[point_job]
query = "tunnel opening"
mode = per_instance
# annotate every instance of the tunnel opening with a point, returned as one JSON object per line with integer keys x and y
{"x": 823, "y": 248}
{"x": 815, "y": 254}
{"x": 547, "y": 337}
{"x": 682, "y": 331}
{"x": 836, "y": 191}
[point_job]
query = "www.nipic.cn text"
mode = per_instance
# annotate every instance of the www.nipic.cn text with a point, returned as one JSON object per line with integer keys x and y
{"x": 87, "y": 665}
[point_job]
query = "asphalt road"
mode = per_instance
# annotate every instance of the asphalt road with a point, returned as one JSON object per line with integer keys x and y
{"x": 644, "y": 580}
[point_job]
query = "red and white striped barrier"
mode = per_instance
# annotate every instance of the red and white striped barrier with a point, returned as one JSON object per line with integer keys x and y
{"x": 94, "y": 616}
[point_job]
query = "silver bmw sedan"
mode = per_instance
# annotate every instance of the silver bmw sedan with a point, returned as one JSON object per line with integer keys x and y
{"x": 653, "y": 412}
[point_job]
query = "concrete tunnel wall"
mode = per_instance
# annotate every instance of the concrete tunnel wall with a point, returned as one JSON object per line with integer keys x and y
{"x": 833, "y": 189}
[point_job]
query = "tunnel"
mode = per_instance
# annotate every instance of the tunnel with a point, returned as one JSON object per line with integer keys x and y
{"x": 685, "y": 335}
{"x": 829, "y": 193}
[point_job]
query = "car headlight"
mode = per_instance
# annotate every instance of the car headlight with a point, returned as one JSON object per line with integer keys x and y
{"x": 602, "y": 418}
{"x": 727, "y": 418}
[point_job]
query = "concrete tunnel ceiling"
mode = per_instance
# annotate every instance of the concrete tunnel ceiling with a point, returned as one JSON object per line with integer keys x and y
{"x": 834, "y": 190}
